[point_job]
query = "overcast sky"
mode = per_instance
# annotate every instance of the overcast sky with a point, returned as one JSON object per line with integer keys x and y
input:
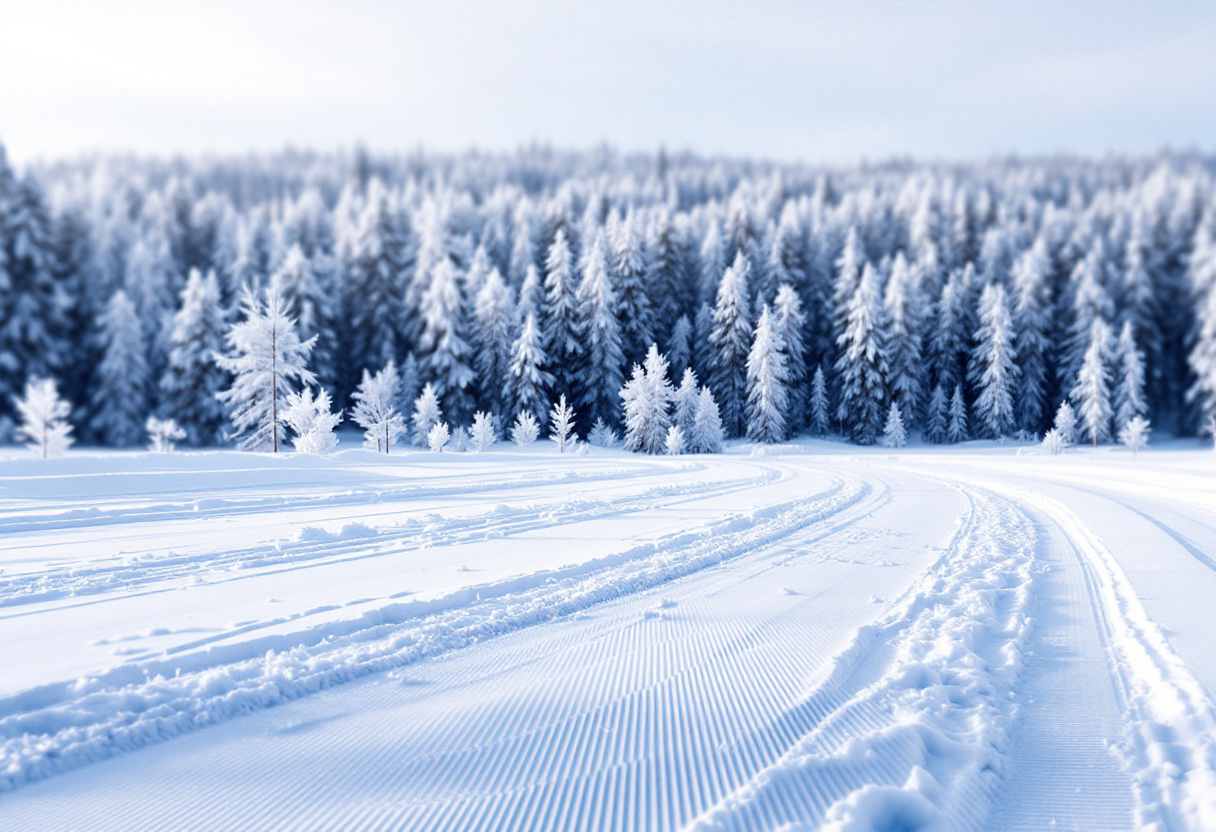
{"x": 833, "y": 82}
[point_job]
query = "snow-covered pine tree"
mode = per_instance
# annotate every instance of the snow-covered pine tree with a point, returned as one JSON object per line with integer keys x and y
{"x": 267, "y": 360}
{"x": 601, "y": 435}
{"x": 378, "y": 253}
{"x": 1053, "y": 442}
{"x": 192, "y": 382}
{"x": 706, "y": 435}
{"x": 375, "y": 408}
{"x": 821, "y": 408}
{"x": 445, "y": 357}
{"x": 560, "y": 315}
{"x": 766, "y": 383}
{"x": 862, "y": 366}
{"x": 493, "y": 317}
{"x": 1092, "y": 390}
{"x": 702, "y": 350}
{"x": 903, "y": 314}
{"x": 163, "y": 435}
{"x": 561, "y": 425}
{"x": 937, "y": 417}
{"x": 601, "y": 336}
{"x": 893, "y": 433}
{"x": 629, "y": 269}
{"x": 1065, "y": 423}
{"x": 482, "y": 433}
{"x": 437, "y": 437}
{"x": 120, "y": 393}
{"x": 1202, "y": 359}
{"x": 525, "y": 429}
{"x": 731, "y": 341}
{"x": 647, "y": 399}
{"x": 686, "y": 397}
{"x": 1128, "y": 363}
{"x": 1134, "y": 435}
{"x": 427, "y": 414}
{"x": 789, "y": 324}
{"x": 44, "y": 418}
{"x": 949, "y": 339}
{"x": 993, "y": 371}
{"x": 957, "y": 431}
{"x": 1032, "y": 335}
{"x": 673, "y": 444}
{"x": 1091, "y": 302}
{"x": 527, "y": 380}
{"x": 312, "y": 421}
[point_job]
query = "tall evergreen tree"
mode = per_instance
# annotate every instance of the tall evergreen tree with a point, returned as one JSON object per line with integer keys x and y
{"x": 445, "y": 356}
{"x": 1092, "y": 390}
{"x": 936, "y": 417}
{"x": 120, "y": 394}
{"x": 993, "y": 371}
{"x": 731, "y": 340}
{"x": 862, "y": 366}
{"x": 527, "y": 379}
{"x": 629, "y": 276}
{"x": 789, "y": 323}
{"x": 493, "y": 324}
{"x": 957, "y": 432}
{"x": 903, "y": 314}
{"x": 767, "y": 376}
{"x": 559, "y": 327}
{"x": 1128, "y": 364}
{"x": 1032, "y": 336}
{"x": 192, "y": 381}
{"x": 599, "y": 330}
{"x": 647, "y": 400}
{"x": 821, "y": 408}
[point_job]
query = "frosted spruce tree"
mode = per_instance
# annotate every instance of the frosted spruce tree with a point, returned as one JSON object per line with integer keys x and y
{"x": 686, "y": 398}
{"x": 673, "y": 445}
{"x": 267, "y": 360}
{"x": 993, "y": 371}
{"x": 679, "y": 346}
{"x": 957, "y": 431}
{"x": 192, "y": 381}
{"x": 312, "y": 421}
{"x": 427, "y": 414}
{"x": 482, "y": 433}
{"x": 438, "y": 436}
{"x": 893, "y": 433}
{"x": 1202, "y": 359}
{"x": 862, "y": 366}
{"x": 821, "y": 408}
{"x": 1092, "y": 390}
{"x": 937, "y": 417}
{"x": 1032, "y": 335}
{"x": 634, "y": 311}
{"x": 120, "y": 394}
{"x": 1065, "y": 423}
{"x": 706, "y": 435}
{"x": 1128, "y": 364}
{"x": 445, "y": 357}
{"x": 375, "y": 408}
{"x": 789, "y": 323}
{"x": 1091, "y": 303}
{"x": 903, "y": 310}
{"x": 647, "y": 400}
{"x": 600, "y": 376}
{"x": 561, "y": 425}
{"x": 1134, "y": 435}
{"x": 731, "y": 341}
{"x": 527, "y": 380}
{"x": 525, "y": 429}
{"x": 560, "y": 314}
{"x": 767, "y": 376}
{"x": 44, "y": 422}
{"x": 493, "y": 317}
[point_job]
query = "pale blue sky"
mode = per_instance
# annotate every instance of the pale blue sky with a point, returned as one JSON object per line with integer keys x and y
{"x": 832, "y": 82}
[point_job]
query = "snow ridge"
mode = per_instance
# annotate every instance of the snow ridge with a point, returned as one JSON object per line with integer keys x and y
{"x": 918, "y": 709}
{"x": 137, "y": 705}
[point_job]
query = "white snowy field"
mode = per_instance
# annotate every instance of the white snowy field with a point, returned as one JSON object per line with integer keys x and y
{"x": 815, "y": 637}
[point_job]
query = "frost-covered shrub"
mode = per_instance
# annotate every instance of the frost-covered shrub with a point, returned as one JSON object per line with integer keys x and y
{"x": 525, "y": 430}
{"x": 163, "y": 434}
{"x": 1053, "y": 442}
{"x": 44, "y": 418}
{"x": 437, "y": 437}
{"x": 675, "y": 441}
{"x": 482, "y": 433}
{"x": 601, "y": 435}
{"x": 1135, "y": 434}
{"x": 312, "y": 422}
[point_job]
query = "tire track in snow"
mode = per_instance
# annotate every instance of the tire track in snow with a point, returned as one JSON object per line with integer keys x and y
{"x": 911, "y": 723}
{"x": 133, "y": 706}
{"x": 1170, "y": 740}
{"x": 352, "y": 542}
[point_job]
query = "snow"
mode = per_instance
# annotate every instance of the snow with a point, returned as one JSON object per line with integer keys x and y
{"x": 820, "y": 636}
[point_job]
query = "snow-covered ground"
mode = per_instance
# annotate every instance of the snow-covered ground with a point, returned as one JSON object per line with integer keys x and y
{"x": 816, "y": 636}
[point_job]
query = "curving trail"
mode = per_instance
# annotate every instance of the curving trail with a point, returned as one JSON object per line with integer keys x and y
{"x": 799, "y": 640}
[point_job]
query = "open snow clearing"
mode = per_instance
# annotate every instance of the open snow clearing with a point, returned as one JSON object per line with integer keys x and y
{"x": 809, "y": 638}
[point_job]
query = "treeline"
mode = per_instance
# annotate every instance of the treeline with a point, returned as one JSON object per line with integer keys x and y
{"x": 974, "y": 298}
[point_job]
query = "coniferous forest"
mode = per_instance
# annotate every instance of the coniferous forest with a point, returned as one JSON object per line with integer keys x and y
{"x": 945, "y": 301}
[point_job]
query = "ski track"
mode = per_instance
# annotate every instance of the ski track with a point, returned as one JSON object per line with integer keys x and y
{"x": 136, "y": 705}
{"x": 354, "y": 540}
